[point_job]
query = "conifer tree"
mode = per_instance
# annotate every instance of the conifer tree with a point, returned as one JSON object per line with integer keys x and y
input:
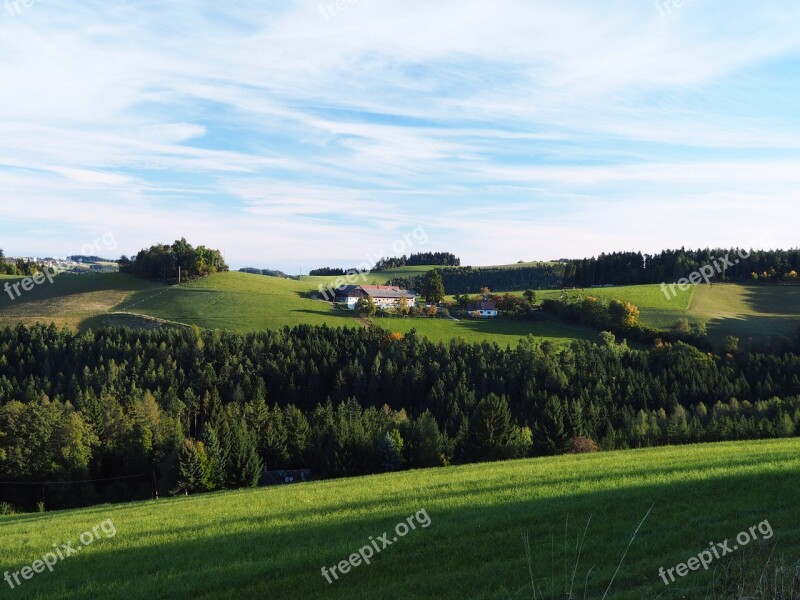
{"x": 190, "y": 470}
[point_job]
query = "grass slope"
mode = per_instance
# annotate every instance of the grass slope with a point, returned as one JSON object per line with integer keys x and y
{"x": 747, "y": 311}
{"x": 272, "y": 543}
{"x": 243, "y": 302}
{"x": 71, "y": 299}
{"x": 643, "y": 296}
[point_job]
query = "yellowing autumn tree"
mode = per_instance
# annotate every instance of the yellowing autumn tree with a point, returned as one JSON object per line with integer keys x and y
{"x": 623, "y": 313}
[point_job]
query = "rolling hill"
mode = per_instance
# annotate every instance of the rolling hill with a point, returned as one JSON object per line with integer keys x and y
{"x": 243, "y": 302}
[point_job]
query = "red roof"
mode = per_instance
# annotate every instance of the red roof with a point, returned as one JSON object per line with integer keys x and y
{"x": 386, "y": 291}
{"x": 483, "y": 305}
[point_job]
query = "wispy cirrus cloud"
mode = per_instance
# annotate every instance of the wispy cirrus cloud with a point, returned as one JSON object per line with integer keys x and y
{"x": 511, "y": 130}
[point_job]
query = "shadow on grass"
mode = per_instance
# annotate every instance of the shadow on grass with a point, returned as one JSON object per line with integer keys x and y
{"x": 65, "y": 286}
{"x": 545, "y": 326}
{"x": 128, "y": 321}
{"x": 468, "y": 552}
{"x": 773, "y": 299}
{"x": 753, "y": 329}
{"x": 774, "y": 312}
{"x": 344, "y": 316}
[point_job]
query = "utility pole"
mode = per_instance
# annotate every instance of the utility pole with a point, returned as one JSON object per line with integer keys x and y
{"x": 179, "y": 273}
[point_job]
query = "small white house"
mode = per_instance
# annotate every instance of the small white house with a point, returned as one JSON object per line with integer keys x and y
{"x": 487, "y": 309}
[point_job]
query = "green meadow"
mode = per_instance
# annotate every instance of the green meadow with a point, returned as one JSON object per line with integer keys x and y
{"x": 642, "y": 296}
{"x": 71, "y": 299}
{"x": 578, "y": 513}
{"x": 242, "y": 302}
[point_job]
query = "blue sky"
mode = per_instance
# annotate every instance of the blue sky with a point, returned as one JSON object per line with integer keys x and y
{"x": 297, "y": 134}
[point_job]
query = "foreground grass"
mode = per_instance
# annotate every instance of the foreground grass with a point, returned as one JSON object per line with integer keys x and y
{"x": 272, "y": 543}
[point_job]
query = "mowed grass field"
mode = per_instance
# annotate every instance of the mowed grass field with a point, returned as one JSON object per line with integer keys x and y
{"x": 239, "y": 302}
{"x": 273, "y": 542}
{"x": 643, "y": 296}
{"x": 749, "y": 312}
{"x": 71, "y": 299}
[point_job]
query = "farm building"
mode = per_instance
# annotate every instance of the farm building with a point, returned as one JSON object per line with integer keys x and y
{"x": 344, "y": 293}
{"x": 486, "y": 309}
{"x": 384, "y": 296}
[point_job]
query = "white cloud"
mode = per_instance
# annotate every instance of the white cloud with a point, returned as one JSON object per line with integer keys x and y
{"x": 491, "y": 122}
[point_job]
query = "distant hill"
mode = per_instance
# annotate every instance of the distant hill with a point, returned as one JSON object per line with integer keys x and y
{"x": 246, "y": 302}
{"x": 267, "y": 272}
{"x": 81, "y": 258}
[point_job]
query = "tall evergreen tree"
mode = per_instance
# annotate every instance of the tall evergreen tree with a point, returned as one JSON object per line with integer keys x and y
{"x": 551, "y": 431}
{"x": 244, "y": 466}
{"x": 388, "y": 453}
{"x": 433, "y": 287}
{"x": 491, "y": 432}
{"x": 424, "y": 448}
{"x": 190, "y": 470}
{"x": 298, "y": 434}
{"x": 215, "y": 475}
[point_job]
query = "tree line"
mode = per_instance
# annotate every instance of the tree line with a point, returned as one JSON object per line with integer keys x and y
{"x": 623, "y": 268}
{"x": 334, "y": 272}
{"x": 164, "y": 262}
{"x": 19, "y": 266}
{"x": 267, "y": 272}
{"x": 735, "y": 264}
{"x": 470, "y": 280}
{"x": 181, "y": 411}
{"x": 419, "y": 259}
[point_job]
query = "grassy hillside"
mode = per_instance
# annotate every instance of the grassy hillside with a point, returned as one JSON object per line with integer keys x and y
{"x": 243, "y": 302}
{"x": 748, "y": 311}
{"x": 238, "y": 302}
{"x": 251, "y": 302}
{"x": 644, "y": 296}
{"x": 71, "y": 299}
{"x": 272, "y": 543}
